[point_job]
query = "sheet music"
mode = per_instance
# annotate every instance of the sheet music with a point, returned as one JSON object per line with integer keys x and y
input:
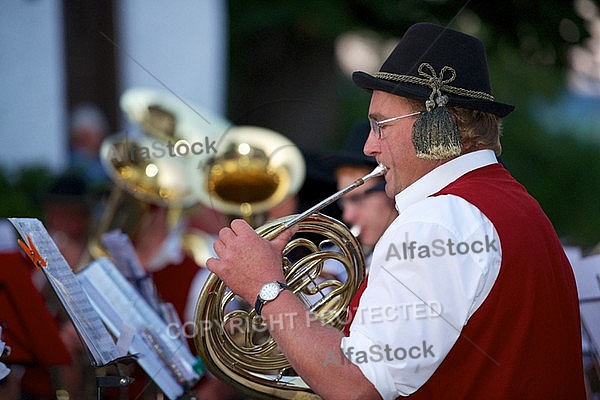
{"x": 124, "y": 257}
{"x": 126, "y": 260}
{"x": 87, "y": 322}
{"x": 164, "y": 358}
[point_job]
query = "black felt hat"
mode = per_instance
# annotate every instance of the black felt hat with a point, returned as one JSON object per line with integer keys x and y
{"x": 430, "y": 59}
{"x": 352, "y": 152}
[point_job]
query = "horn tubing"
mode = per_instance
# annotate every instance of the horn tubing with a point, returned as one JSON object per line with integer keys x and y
{"x": 377, "y": 171}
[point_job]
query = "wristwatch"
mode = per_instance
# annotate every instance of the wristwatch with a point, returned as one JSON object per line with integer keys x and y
{"x": 268, "y": 292}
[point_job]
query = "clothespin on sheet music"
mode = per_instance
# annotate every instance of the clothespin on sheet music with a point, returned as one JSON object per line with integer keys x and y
{"x": 32, "y": 252}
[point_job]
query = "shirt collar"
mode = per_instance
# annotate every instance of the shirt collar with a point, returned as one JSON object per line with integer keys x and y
{"x": 442, "y": 176}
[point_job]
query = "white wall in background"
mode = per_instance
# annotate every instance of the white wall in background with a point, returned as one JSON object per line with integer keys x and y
{"x": 175, "y": 46}
{"x": 32, "y": 84}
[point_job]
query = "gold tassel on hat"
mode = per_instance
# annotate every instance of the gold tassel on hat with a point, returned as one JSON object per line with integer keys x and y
{"x": 435, "y": 134}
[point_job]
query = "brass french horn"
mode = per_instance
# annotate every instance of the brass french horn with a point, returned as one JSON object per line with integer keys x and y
{"x": 235, "y": 344}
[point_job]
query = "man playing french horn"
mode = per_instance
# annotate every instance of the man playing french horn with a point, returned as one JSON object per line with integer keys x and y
{"x": 508, "y": 326}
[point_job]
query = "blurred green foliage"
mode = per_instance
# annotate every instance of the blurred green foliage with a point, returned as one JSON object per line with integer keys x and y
{"x": 561, "y": 169}
{"x": 528, "y": 58}
{"x": 23, "y": 190}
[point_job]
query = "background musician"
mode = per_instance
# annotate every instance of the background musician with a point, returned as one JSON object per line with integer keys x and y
{"x": 366, "y": 209}
{"x": 178, "y": 279}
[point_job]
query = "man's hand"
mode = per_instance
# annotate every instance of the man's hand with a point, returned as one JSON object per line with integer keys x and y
{"x": 245, "y": 260}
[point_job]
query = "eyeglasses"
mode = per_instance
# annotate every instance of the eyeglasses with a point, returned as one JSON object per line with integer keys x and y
{"x": 377, "y": 125}
{"x": 356, "y": 199}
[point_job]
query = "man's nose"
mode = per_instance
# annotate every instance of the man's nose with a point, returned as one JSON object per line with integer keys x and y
{"x": 371, "y": 147}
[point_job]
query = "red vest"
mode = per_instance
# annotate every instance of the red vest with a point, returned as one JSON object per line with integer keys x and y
{"x": 524, "y": 341}
{"x": 28, "y": 327}
{"x": 173, "y": 283}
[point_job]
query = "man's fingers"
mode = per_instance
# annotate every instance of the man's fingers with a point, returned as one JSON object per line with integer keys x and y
{"x": 239, "y": 227}
{"x": 226, "y": 234}
{"x": 212, "y": 264}
{"x": 284, "y": 237}
{"x": 218, "y": 246}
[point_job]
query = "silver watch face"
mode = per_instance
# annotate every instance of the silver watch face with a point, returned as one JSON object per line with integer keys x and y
{"x": 269, "y": 291}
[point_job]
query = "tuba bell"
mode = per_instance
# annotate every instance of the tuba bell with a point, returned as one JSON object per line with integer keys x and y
{"x": 152, "y": 168}
{"x": 233, "y": 341}
{"x": 255, "y": 169}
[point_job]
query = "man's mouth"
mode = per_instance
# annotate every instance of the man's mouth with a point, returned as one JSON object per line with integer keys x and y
{"x": 386, "y": 168}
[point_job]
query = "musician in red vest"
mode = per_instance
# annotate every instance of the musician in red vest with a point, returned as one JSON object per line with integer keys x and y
{"x": 469, "y": 294}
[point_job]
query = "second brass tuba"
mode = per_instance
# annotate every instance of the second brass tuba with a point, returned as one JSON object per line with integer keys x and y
{"x": 254, "y": 170}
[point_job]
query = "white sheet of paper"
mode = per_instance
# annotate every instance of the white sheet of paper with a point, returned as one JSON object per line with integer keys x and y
{"x": 164, "y": 358}
{"x": 86, "y": 320}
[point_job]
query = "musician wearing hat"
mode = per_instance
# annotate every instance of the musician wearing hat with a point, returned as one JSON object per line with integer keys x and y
{"x": 494, "y": 303}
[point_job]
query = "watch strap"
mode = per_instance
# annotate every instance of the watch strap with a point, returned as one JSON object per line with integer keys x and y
{"x": 258, "y": 305}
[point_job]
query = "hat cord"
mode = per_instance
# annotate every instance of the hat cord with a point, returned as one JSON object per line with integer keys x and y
{"x": 435, "y": 82}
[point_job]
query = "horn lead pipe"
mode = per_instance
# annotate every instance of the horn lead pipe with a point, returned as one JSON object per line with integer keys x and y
{"x": 379, "y": 170}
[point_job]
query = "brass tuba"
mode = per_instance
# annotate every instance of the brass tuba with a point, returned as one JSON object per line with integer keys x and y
{"x": 155, "y": 167}
{"x": 234, "y": 342}
{"x": 255, "y": 169}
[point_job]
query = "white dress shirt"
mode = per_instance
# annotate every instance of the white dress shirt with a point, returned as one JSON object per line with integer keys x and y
{"x": 431, "y": 270}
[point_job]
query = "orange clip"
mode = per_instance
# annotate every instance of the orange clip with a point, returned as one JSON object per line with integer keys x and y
{"x": 32, "y": 252}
